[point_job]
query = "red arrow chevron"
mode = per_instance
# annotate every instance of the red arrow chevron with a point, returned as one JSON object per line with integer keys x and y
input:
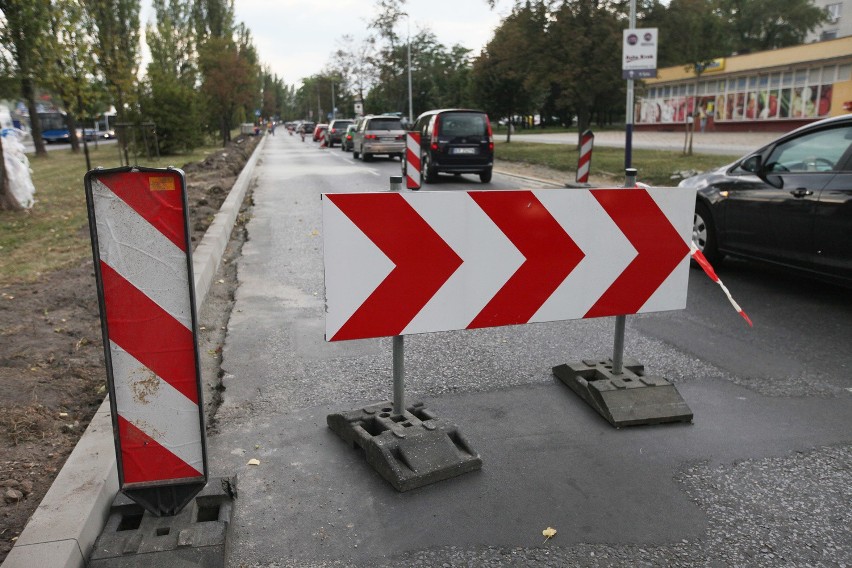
{"x": 422, "y": 263}
{"x": 550, "y": 256}
{"x": 660, "y": 248}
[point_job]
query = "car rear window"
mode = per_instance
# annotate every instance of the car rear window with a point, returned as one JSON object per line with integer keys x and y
{"x": 385, "y": 124}
{"x": 463, "y": 124}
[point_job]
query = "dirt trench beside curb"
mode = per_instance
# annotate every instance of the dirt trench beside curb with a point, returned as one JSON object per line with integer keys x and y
{"x": 52, "y": 376}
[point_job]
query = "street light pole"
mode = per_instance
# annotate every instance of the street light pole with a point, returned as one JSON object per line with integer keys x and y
{"x": 410, "y": 103}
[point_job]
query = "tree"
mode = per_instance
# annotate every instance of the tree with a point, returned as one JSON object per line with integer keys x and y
{"x": 229, "y": 84}
{"x": 70, "y": 66}
{"x": 8, "y": 87}
{"x": 116, "y": 46}
{"x": 351, "y": 62}
{"x": 693, "y": 33}
{"x": 22, "y": 36}
{"x": 169, "y": 97}
{"x": 761, "y": 25}
{"x": 504, "y": 75}
{"x": 585, "y": 67}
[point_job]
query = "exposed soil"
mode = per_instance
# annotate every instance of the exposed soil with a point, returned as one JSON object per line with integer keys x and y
{"x": 52, "y": 376}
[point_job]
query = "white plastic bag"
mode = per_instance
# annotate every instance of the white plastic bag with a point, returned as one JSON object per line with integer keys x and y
{"x": 18, "y": 168}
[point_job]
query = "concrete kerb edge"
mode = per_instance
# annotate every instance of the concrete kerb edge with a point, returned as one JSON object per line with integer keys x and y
{"x": 528, "y": 178}
{"x": 63, "y": 529}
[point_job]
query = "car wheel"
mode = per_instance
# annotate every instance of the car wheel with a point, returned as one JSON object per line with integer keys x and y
{"x": 485, "y": 176}
{"x": 427, "y": 170}
{"x": 704, "y": 233}
{"x": 354, "y": 153}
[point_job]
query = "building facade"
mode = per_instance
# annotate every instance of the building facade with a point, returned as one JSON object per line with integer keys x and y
{"x": 839, "y": 22}
{"x": 767, "y": 91}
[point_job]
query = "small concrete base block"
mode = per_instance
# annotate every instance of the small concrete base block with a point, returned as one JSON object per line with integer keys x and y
{"x": 409, "y": 450}
{"x": 630, "y": 398}
{"x": 195, "y": 536}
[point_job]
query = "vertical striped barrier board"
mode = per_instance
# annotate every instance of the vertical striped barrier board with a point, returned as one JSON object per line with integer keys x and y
{"x": 142, "y": 253}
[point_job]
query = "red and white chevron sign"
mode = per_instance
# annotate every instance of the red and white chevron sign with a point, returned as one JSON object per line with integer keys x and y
{"x": 412, "y": 158}
{"x": 144, "y": 275}
{"x": 402, "y": 263}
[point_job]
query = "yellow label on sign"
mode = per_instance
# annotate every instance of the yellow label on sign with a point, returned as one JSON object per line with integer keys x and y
{"x": 162, "y": 183}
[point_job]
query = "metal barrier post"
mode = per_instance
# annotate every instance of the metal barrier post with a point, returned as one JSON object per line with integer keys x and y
{"x": 398, "y": 374}
{"x": 620, "y": 321}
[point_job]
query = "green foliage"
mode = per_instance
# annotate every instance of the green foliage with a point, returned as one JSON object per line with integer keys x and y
{"x": 230, "y": 82}
{"x": 761, "y": 25}
{"x": 116, "y": 45}
{"x": 169, "y": 98}
{"x": 175, "y": 109}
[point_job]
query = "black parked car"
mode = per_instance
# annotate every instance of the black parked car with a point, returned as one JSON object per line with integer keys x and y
{"x": 457, "y": 141}
{"x": 788, "y": 203}
{"x": 336, "y": 130}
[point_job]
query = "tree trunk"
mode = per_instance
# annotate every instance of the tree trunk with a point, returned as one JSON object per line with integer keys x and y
{"x": 28, "y": 92}
{"x": 7, "y": 201}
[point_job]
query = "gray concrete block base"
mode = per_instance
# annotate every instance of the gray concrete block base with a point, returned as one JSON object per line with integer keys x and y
{"x": 630, "y": 398}
{"x": 196, "y": 536}
{"x": 409, "y": 450}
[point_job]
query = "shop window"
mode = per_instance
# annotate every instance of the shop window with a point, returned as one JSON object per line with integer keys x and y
{"x": 828, "y": 73}
{"x": 843, "y": 72}
{"x": 814, "y": 76}
{"x": 775, "y": 80}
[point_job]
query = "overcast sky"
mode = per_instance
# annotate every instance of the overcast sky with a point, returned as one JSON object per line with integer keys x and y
{"x": 295, "y": 38}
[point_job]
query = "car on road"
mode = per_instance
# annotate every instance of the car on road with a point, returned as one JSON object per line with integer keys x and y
{"x": 788, "y": 203}
{"x": 457, "y": 141}
{"x": 336, "y": 130}
{"x": 319, "y": 132}
{"x": 378, "y": 134}
{"x": 346, "y": 141}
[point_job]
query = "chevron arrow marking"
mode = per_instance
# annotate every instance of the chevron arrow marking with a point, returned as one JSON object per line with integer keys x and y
{"x": 422, "y": 263}
{"x": 402, "y": 263}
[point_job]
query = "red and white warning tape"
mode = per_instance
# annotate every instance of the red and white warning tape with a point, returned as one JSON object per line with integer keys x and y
{"x": 702, "y": 261}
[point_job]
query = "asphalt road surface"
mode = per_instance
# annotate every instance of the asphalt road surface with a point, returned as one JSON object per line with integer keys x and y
{"x": 762, "y": 477}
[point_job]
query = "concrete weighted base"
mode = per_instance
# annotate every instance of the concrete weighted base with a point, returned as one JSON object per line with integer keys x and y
{"x": 409, "y": 450}
{"x": 195, "y": 536}
{"x": 630, "y": 398}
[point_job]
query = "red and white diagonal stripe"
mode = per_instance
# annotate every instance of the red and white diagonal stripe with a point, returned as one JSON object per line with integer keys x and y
{"x": 147, "y": 306}
{"x": 412, "y": 157}
{"x": 584, "y": 164}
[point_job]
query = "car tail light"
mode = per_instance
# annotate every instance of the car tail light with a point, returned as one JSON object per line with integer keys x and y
{"x": 490, "y": 134}
{"x": 435, "y": 128}
{"x": 370, "y": 137}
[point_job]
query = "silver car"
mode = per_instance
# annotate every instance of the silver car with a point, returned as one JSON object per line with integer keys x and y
{"x": 381, "y": 134}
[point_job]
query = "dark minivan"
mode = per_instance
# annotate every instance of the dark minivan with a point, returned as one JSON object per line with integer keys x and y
{"x": 456, "y": 141}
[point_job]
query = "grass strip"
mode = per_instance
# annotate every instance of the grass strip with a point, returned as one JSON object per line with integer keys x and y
{"x": 54, "y": 234}
{"x": 656, "y": 167}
